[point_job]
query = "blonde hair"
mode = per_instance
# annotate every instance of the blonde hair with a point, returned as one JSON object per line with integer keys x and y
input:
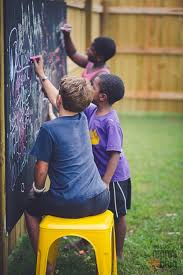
{"x": 76, "y": 93}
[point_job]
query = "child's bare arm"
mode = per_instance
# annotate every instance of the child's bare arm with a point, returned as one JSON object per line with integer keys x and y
{"x": 48, "y": 87}
{"x": 50, "y": 112}
{"x": 40, "y": 173}
{"x": 111, "y": 167}
{"x": 76, "y": 57}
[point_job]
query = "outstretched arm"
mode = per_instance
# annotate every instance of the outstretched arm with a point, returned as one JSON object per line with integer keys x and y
{"x": 50, "y": 112}
{"x": 76, "y": 57}
{"x": 111, "y": 167}
{"x": 48, "y": 87}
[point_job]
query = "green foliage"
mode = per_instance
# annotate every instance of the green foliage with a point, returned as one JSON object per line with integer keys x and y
{"x": 153, "y": 144}
{"x": 22, "y": 260}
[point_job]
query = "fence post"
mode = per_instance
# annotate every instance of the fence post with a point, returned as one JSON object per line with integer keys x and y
{"x": 3, "y": 237}
{"x": 88, "y": 16}
{"x": 103, "y": 17}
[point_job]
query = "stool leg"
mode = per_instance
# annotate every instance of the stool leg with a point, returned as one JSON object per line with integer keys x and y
{"x": 53, "y": 253}
{"x": 41, "y": 262}
{"x": 114, "y": 259}
{"x": 104, "y": 254}
{"x": 42, "y": 254}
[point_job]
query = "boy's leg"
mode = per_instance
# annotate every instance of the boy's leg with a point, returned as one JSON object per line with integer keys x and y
{"x": 120, "y": 230}
{"x": 32, "y": 224}
{"x": 120, "y": 197}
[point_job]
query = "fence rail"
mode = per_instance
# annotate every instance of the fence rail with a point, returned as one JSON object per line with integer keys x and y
{"x": 145, "y": 10}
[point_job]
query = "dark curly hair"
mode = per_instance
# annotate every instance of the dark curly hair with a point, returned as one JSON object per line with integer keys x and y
{"x": 112, "y": 86}
{"x": 104, "y": 46}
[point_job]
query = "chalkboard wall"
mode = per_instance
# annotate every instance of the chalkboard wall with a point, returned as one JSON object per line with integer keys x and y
{"x": 31, "y": 28}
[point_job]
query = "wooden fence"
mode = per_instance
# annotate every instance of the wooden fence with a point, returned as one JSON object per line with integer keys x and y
{"x": 149, "y": 38}
{"x": 150, "y": 52}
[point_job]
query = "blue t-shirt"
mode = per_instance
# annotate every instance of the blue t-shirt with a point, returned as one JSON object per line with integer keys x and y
{"x": 65, "y": 144}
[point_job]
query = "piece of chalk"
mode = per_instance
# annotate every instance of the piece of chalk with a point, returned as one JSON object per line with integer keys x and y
{"x": 36, "y": 57}
{"x": 66, "y": 28}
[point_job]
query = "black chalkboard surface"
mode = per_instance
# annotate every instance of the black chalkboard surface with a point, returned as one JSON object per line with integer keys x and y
{"x": 31, "y": 28}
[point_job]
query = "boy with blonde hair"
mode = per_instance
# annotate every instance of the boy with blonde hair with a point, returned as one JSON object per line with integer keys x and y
{"x": 63, "y": 151}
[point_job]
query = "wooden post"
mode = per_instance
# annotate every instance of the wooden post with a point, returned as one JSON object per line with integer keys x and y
{"x": 103, "y": 17}
{"x": 3, "y": 237}
{"x": 88, "y": 16}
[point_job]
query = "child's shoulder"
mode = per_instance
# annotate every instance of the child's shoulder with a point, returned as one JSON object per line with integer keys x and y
{"x": 111, "y": 121}
{"x": 112, "y": 117}
{"x": 49, "y": 125}
{"x": 90, "y": 109}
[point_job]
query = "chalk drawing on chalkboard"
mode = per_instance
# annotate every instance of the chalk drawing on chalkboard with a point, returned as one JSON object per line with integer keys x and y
{"x": 22, "y": 187}
{"x": 31, "y": 28}
{"x": 25, "y": 39}
{"x": 24, "y": 93}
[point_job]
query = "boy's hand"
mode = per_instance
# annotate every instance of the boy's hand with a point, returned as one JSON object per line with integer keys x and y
{"x": 107, "y": 185}
{"x": 39, "y": 67}
{"x": 106, "y": 182}
{"x": 66, "y": 28}
{"x": 31, "y": 194}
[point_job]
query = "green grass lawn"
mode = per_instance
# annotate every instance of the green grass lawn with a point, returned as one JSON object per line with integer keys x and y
{"x": 153, "y": 144}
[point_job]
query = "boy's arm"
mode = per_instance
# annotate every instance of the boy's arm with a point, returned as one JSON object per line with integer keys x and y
{"x": 40, "y": 174}
{"x": 50, "y": 112}
{"x": 76, "y": 57}
{"x": 111, "y": 167}
{"x": 48, "y": 87}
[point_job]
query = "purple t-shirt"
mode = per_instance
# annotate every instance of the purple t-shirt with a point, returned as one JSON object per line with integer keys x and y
{"x": 106, "y": 135}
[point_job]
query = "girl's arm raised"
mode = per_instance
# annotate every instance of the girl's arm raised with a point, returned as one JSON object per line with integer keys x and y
{"x": 76, "y": 57}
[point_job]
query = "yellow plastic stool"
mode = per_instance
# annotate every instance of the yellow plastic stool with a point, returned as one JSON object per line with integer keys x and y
{"x": 97, "y": 230}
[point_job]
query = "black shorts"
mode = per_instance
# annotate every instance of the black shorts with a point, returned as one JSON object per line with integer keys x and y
{"x": 48, "y": 204}
{"x": 120, "y": 197}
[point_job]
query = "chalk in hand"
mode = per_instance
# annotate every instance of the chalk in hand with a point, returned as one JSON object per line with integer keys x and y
{"x": 36, "y": 57}
{"x": 66, "y": 28}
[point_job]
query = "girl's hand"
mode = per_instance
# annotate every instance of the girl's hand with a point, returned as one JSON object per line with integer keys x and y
{"x": 66, "y": 28}
{"x": 39, "y": 66}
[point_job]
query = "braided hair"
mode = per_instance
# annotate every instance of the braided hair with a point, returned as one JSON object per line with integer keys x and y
{"x": 112, "y": 86}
